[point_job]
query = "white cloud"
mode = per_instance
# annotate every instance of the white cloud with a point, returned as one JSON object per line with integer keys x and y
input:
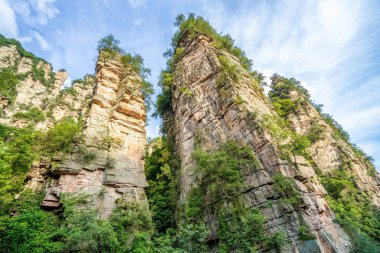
{"x": 41, "y": 41}
{"x": 35, "y": 12}
{"x": 137, "y": 3}
{"x": 138, "y": 22}
{"x": 24, "y": 39}
{"x": 8, "y": 25}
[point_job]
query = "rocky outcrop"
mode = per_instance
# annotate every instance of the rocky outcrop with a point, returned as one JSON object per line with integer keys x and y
{"x": 330, "y": 151}
{"x": 109, "y": 164}
{"x": 213, "y": 110}
{"x": 37, "y": 86}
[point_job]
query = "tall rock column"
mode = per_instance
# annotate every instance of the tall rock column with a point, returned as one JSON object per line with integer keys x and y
{"x": 109, "y": 165}
{"x": 213, "y": 107}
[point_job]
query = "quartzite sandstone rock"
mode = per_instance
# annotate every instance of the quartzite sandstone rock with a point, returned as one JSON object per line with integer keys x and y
{"x": 114, "y": 134}
{"x": 331, "y": 151}
{"x": 109, "y": 163}
{"x": 216, "y": 112}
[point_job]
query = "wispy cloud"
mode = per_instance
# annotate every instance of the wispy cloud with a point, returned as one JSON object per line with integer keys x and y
{"x": 36, "y": 12}
{"x": 41, "y": 41}
{"x": 8, "y": 24}
{"x": 138, "y": 22}
{"x": 137, "y": 3}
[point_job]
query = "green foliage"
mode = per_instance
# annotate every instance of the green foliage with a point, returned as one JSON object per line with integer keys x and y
{"x": 78, "y": 228}
{"x": 9, "y": 42}
{"x": 33, "y": 114}
{"x": 8, "y": 83}
{"x": 69, "y": 90}
{"x": 161, "y": 192}
{"x": 220, "y": 177}
{"x": 281, "y": 87}
{"x": 285, "y": 106}
{"x": 228, "y": 72}
{"x": 185, "y": 90}
{"x": 192, "y": 237}
{"x": 287, "y": 189}
{"x": 17, "y": 153}
{"x": 315, "y": 132}
{"x": 238, "y": 100}
{"x": 361, "y": 242}
{"x": 29, "y": 228}
{"x": 38, "y": 74}
{"x": 350, "y": 205}
{"x": 132, "y": 224}
{"x": 240, "y": 229}
{"x": 194, "y": 26}
{"x": 164, "y": 99}
{"x": 110, "y": 44}
{"x": 289, "y": 142}
{"x": 62, "y": 136}
{"x": 304, "y": 233}
{"x": 77, "y": 81}
{"x": 277, "y": 239}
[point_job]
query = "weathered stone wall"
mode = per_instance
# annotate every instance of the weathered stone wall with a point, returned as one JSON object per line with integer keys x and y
{"x": 108, "y": 165}
{"x": 215, "y": 112}
{"x": 114, "y": 144}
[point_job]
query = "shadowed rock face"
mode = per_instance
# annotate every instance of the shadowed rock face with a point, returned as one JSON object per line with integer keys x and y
{"x": 331, "y": 152}
{"x": 213, "y": 112}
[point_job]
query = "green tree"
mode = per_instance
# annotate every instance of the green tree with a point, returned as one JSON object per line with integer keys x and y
{"x": 110, "y": 44}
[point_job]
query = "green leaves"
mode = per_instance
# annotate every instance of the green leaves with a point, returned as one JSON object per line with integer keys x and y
{"x": 350, "y": 205}
{"x": 62, "y": 136}
{"x": 287, "y": 189}
{"x": 218, "y": 194}
{"x": 8, "y": 83}
{"x": 161, "y": 192}
{"x": 33, "y": 114}
{"x": 111, "y": 44}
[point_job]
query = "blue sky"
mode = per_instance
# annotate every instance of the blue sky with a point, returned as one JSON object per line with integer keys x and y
{"x": 333, "y": 47}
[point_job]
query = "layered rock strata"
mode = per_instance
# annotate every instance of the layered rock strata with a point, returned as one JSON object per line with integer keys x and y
{"x": 330, "y": 151}
{"x": 214, "y": 110}
{"x": 109, "y": 165}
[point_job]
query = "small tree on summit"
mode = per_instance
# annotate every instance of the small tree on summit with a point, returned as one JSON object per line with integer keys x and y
{"x": 109, "y": 43}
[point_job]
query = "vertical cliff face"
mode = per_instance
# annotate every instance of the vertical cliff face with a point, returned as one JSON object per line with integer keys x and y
{"x": 213, "y": 105}
{"x": 330, "y": 149}
{"x": 109, "y": 164}
{"x": 107, "y": 161}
